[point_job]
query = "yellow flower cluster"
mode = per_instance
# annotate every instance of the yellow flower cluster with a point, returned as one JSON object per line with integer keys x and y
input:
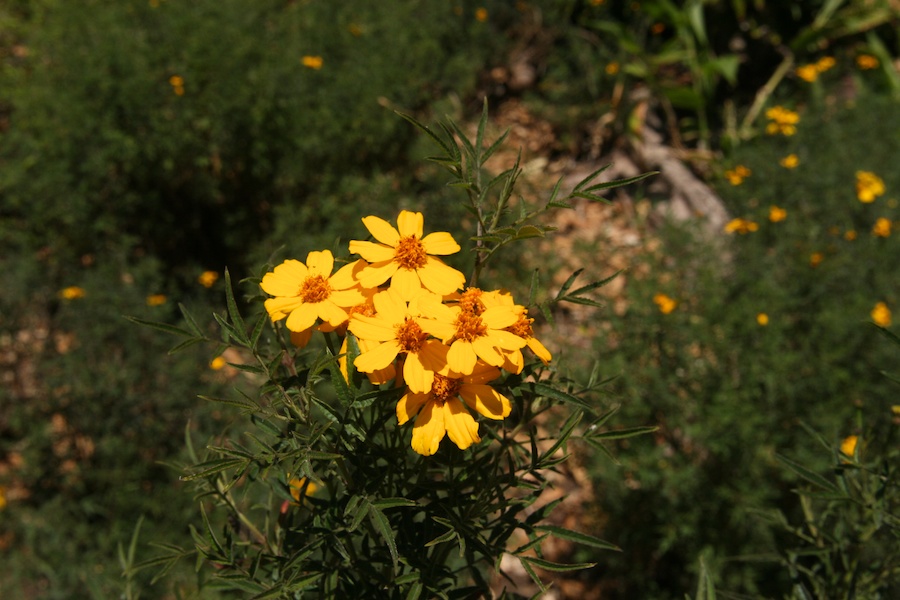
{"x": 737, "y": 175}
{"x": 848, "y": 445}
{"x": 177, "y": 83}
{"x": 312, "y": 62}
{"x": 812, "y": 71}
{"x": 882, "y": 227}
{"x": 790, "y": 161}
{"x": 208, "y": 278}
{"x": 782, "y": 120}
{"x": 413, "y": 325}
{"x": 741, "y": 225}
{"x": 73, "y": 292}
{"x": 868, "y": 186}
{"x": 777, "y": 214}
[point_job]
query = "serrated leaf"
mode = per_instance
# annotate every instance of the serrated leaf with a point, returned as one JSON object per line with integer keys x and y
{"x": 528, "y": 231}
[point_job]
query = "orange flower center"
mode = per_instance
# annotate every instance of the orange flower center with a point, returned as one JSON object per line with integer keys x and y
{"x": 444, "y": 388}
{"x": 522, "y": 327}
{"x": 470, "y": 301}
{"x": 314, "y": 289}
{"x": 410, "y": 253}
{"x": 410, "y": 336}
{"x": 469, "y": 327}
{"x": 364, "y": 309}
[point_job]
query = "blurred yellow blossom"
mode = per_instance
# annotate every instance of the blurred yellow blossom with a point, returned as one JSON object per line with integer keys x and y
{"x": 807, "y": 73}
{"x": 296, "y": 486}
{"x": 850, "y": 235}
{"x": 737, "y": 175}
{"x": 777, "y": 214}
{"x": 762, "y": 319}
{"x": 782, "y": 120}
{"x": 177, "y": 83}
{"x": 354, "y": 29}
{"x": 881, "y": 315}
{"x": 481, "y": 14}
{"x": 866, "y": 62}
{"x": 217, "y": 363}
{"x": 666, "y": 304}
{"x": 72, "y": 292}
{"x": 2, "y": 497}
{"x": 868, "y": 186}
{"x": 815, "y": 259}
{"x": 312, "y": 62}
{"x": 848, "y": 445}
{"x": 790, "y": 161}
{"x": 740, "y": 225}
{"x": 612, "y": 68}
{"x": 156, "y": 299}
{"x": 882, "y": 227}
{"x": 657, "y": 28}
{"x": 825, "y": 63}
{"x": 208, "y": 278}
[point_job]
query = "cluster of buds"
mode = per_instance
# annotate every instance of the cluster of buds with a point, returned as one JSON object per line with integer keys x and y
{"x": 416, "y": 324}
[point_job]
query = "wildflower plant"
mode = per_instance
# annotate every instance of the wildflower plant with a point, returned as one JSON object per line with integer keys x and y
{"x": 404, "y": 416}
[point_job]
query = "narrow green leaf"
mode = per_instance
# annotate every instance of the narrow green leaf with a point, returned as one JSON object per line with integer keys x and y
{"x": 583, "y": 301}
{"x": 581, "y": 184}
{"x": 621, "y": 434}
{"x": 189, "y": 319}
{"x": 185, "y": 344}
{"x": 494, "y": 146}
{"x": 532, "y": 292}
{"x": 528, "y": 569}
{"x": 564, "y": 434}
{"x": 381, "y": 523}
{"x": 257, "y": 330}
{"x": 415, "y": 590}
{"x": 579, "y": 538}
{"x": 619, "y": 182}
{"x": 443, "y": 538}
{"x": 555, "y": 566}
{"x": 427, "y": 131}
{"x": 209, "y": 532}
{"x": 233, "y": 312}
{"x": 302, "y": 583}
{"x": 230, "y": 331}
{"x": 385, "y": 503}
{"x": 568, "y": 283}
{"x": 806, "y": 474}
{"x": 242, "y": 404}
{"x": 597, "y": 284}
{"x": 160, "y": 326}
{"x": 213, "y": 467}
{"x": 548, "y": 391}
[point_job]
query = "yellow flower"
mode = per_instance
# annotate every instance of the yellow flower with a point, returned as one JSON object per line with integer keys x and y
{"x": 815, "y": 259}
{"x": 481, "y": 14}
{"x": 825, "y": 63}
{"x": 72, "y": 292}
{"x": 440, "y": 411}
{"x": 297, "y": 488}
{"x": 783, "y": 121}
{"x": 307, "y": 292}
{"x": 741, "y": 226}
{"x": 881, "y": 315}
{"x": 762, "y": 319}
{"x": 395, "y": 329}
{"x": 217, "y": 363}
{"x": 666, "y": 305}
{"x": 866, "y": 62}
{"x": 406, "y": 258}
{"x": 882, "y": 227}
{"x": 473, "y": 334}
{"x": 177, "y": 83}
{"x": 790, "y": 161}
{"x": 612, "y": 68}
{"x": 208, "y": 278}
{"x": 312, "y": 62}
{"x": 777, "y": 214}
{"x": 868, "y": 186}
{"x": 737, "y": 175}
{"x": 156, "y": 300}
{"x": 2, "y": 497}
{"x": 522, "y": 327}
{"x": 808, "y": 73}
{"x": 848, "y": 445}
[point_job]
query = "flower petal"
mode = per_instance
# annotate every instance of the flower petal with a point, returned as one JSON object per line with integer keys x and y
{"x": 346, "y": 276}
{"x": 372, "y": 328}
{"x": 302, "y": 317}
{"x": 320, "y": 263}
{"x": 499, "y": 317}
{"x": 440, "y": 242}
{"x": 390, "y": 306}
{"x": 429, "y": 429}
{"x": 539, "y": 350}
{"x": 433, "y": 356}
{"x": 462, "y": 357}
{"x": 381, "y": 230}
{"x": 406, "y": 283}
{"x": 439, "y": 278}
{"x": 378, "y": 358}
{"x": 486, "y": 351}
{"x": 301, "y": 338}
{"x": 330, "y": 312}
{"x": 410, "y": 223}
{"x": 371, "y": 251}
{"x": 347, "y": 298}
{"x": 377, "y": 273}
{"x": 486, "y": 400}
{"x": 482, "y": 373}
{"x": 409, "y": 405}
{"x": 438, "y": 329}
{"x": 460, "y": 426}
{"x": 285, "y": 279}
{"x": 279, "y": 308}
{"x": 417, "y": 377}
